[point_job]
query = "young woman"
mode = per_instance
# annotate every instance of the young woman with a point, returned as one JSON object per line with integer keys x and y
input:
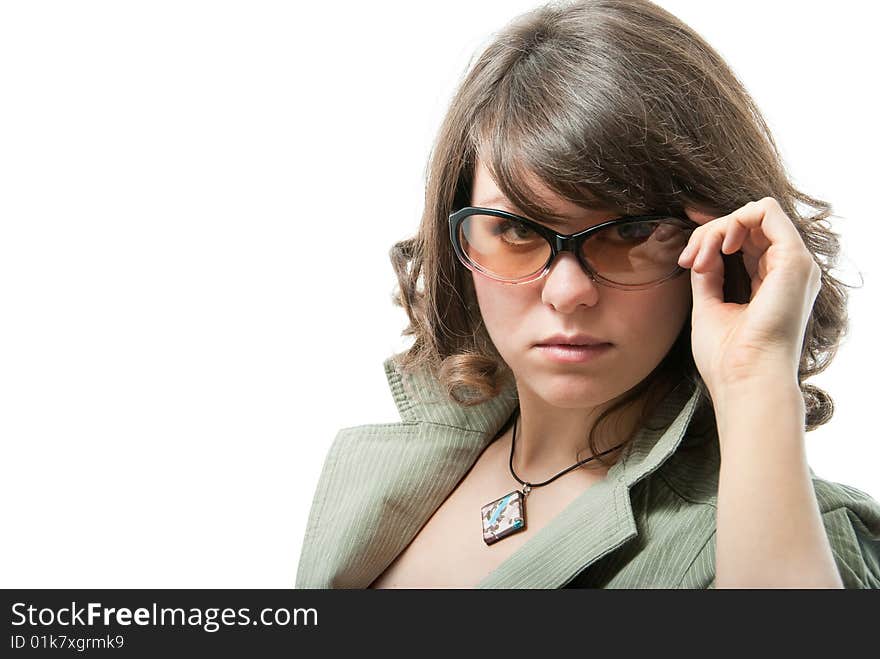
{"x": 616, "y": 302}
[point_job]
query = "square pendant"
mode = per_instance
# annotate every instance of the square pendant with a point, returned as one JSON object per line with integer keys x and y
{"x": 503, "y": 517}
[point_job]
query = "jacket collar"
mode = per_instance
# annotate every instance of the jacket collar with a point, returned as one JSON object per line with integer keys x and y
{"x": 360, "y": 523}
{"x": 420, "y": 399}
{"x": 597, "y": 521}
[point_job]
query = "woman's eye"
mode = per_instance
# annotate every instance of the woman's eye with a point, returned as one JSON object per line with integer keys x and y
{"x": 635, "y": 231}
{"x": 515, "y": 232}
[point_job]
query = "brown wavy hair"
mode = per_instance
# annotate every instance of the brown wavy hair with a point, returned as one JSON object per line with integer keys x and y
{"x": 610, "y": 104}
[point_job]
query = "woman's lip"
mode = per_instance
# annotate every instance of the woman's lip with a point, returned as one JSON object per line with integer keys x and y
{"x": 572, "y": 354}
{"x": 574, "y": 345}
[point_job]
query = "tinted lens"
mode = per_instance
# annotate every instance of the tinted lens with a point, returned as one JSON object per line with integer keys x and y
{"x": 637, "y": 252}
{"x": 631, "y": 253}
{"x": 504, "y": 248}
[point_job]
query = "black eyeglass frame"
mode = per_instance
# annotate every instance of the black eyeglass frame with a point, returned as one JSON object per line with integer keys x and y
{"x": 559, "y": 242}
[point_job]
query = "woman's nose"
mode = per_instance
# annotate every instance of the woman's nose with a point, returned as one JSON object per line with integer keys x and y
{"x": 568, "y": 285}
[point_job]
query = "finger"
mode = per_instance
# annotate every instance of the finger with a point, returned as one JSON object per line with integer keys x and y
{"x": 750, "y": 261}
{"x": 710, "y": 248}
{"x": 707, "y": 273}
{"x": 767, "y": 224}
{"x": 698, "y": 216}
{"x": 750, "y": 229}
{"x": 707, "y": 287}
{"x": 757, "y": 241}
{"x": 701, "y": 218}
{"x": 735, "y": 235}
{"x": 685, "y": 260}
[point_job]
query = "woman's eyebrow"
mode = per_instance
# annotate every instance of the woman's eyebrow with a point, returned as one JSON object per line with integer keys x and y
{"x": 562, "y": 224}
{"x": 493, "y": 202}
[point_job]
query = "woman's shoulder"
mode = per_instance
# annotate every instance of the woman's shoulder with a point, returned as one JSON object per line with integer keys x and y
{"x": 693, "y": 471}
{"x": 850, "y": 516}
{"x": 832, "y": 496}
{"x": 852, "y": 523}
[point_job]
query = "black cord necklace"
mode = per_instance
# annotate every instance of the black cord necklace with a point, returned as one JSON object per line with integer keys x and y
{"x": 507, "y": 515}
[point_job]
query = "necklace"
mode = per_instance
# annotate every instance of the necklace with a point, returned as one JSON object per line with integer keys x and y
{"x": 507, "y": 515}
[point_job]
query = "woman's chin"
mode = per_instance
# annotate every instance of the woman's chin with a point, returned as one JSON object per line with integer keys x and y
{"x": 571, "y": 390}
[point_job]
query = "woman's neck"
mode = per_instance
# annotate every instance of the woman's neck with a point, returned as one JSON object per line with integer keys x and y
{"x": 550, "y": 439}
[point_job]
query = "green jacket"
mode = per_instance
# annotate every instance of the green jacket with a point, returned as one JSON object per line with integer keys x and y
{"x": 649, "y": 524}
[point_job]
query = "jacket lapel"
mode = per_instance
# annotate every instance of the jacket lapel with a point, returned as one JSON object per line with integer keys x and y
{"x": 382, "y": 482}
{"x": 601, "y": 519}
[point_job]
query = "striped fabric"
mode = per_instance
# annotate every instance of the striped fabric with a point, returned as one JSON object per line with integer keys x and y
{"x": 649, "y": 524}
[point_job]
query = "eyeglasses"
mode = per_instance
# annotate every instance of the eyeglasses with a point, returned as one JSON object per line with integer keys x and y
{"x": 631, "y": 253}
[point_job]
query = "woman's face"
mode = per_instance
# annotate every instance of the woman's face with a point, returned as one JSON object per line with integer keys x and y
{"x": 640, "y": 325}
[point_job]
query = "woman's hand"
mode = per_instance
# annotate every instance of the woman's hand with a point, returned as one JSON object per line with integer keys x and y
{"x": 735, "y": 344}
{"x": 748, "y": 355}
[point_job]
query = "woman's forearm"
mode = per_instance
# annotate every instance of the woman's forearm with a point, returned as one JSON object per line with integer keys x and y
{"x": 769, "y": 528}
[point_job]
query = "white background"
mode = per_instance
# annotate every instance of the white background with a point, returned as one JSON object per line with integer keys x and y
{"x": 177, "y": 346}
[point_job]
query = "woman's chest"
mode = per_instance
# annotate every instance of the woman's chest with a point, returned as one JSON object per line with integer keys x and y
{"x": 449, "y": 550}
